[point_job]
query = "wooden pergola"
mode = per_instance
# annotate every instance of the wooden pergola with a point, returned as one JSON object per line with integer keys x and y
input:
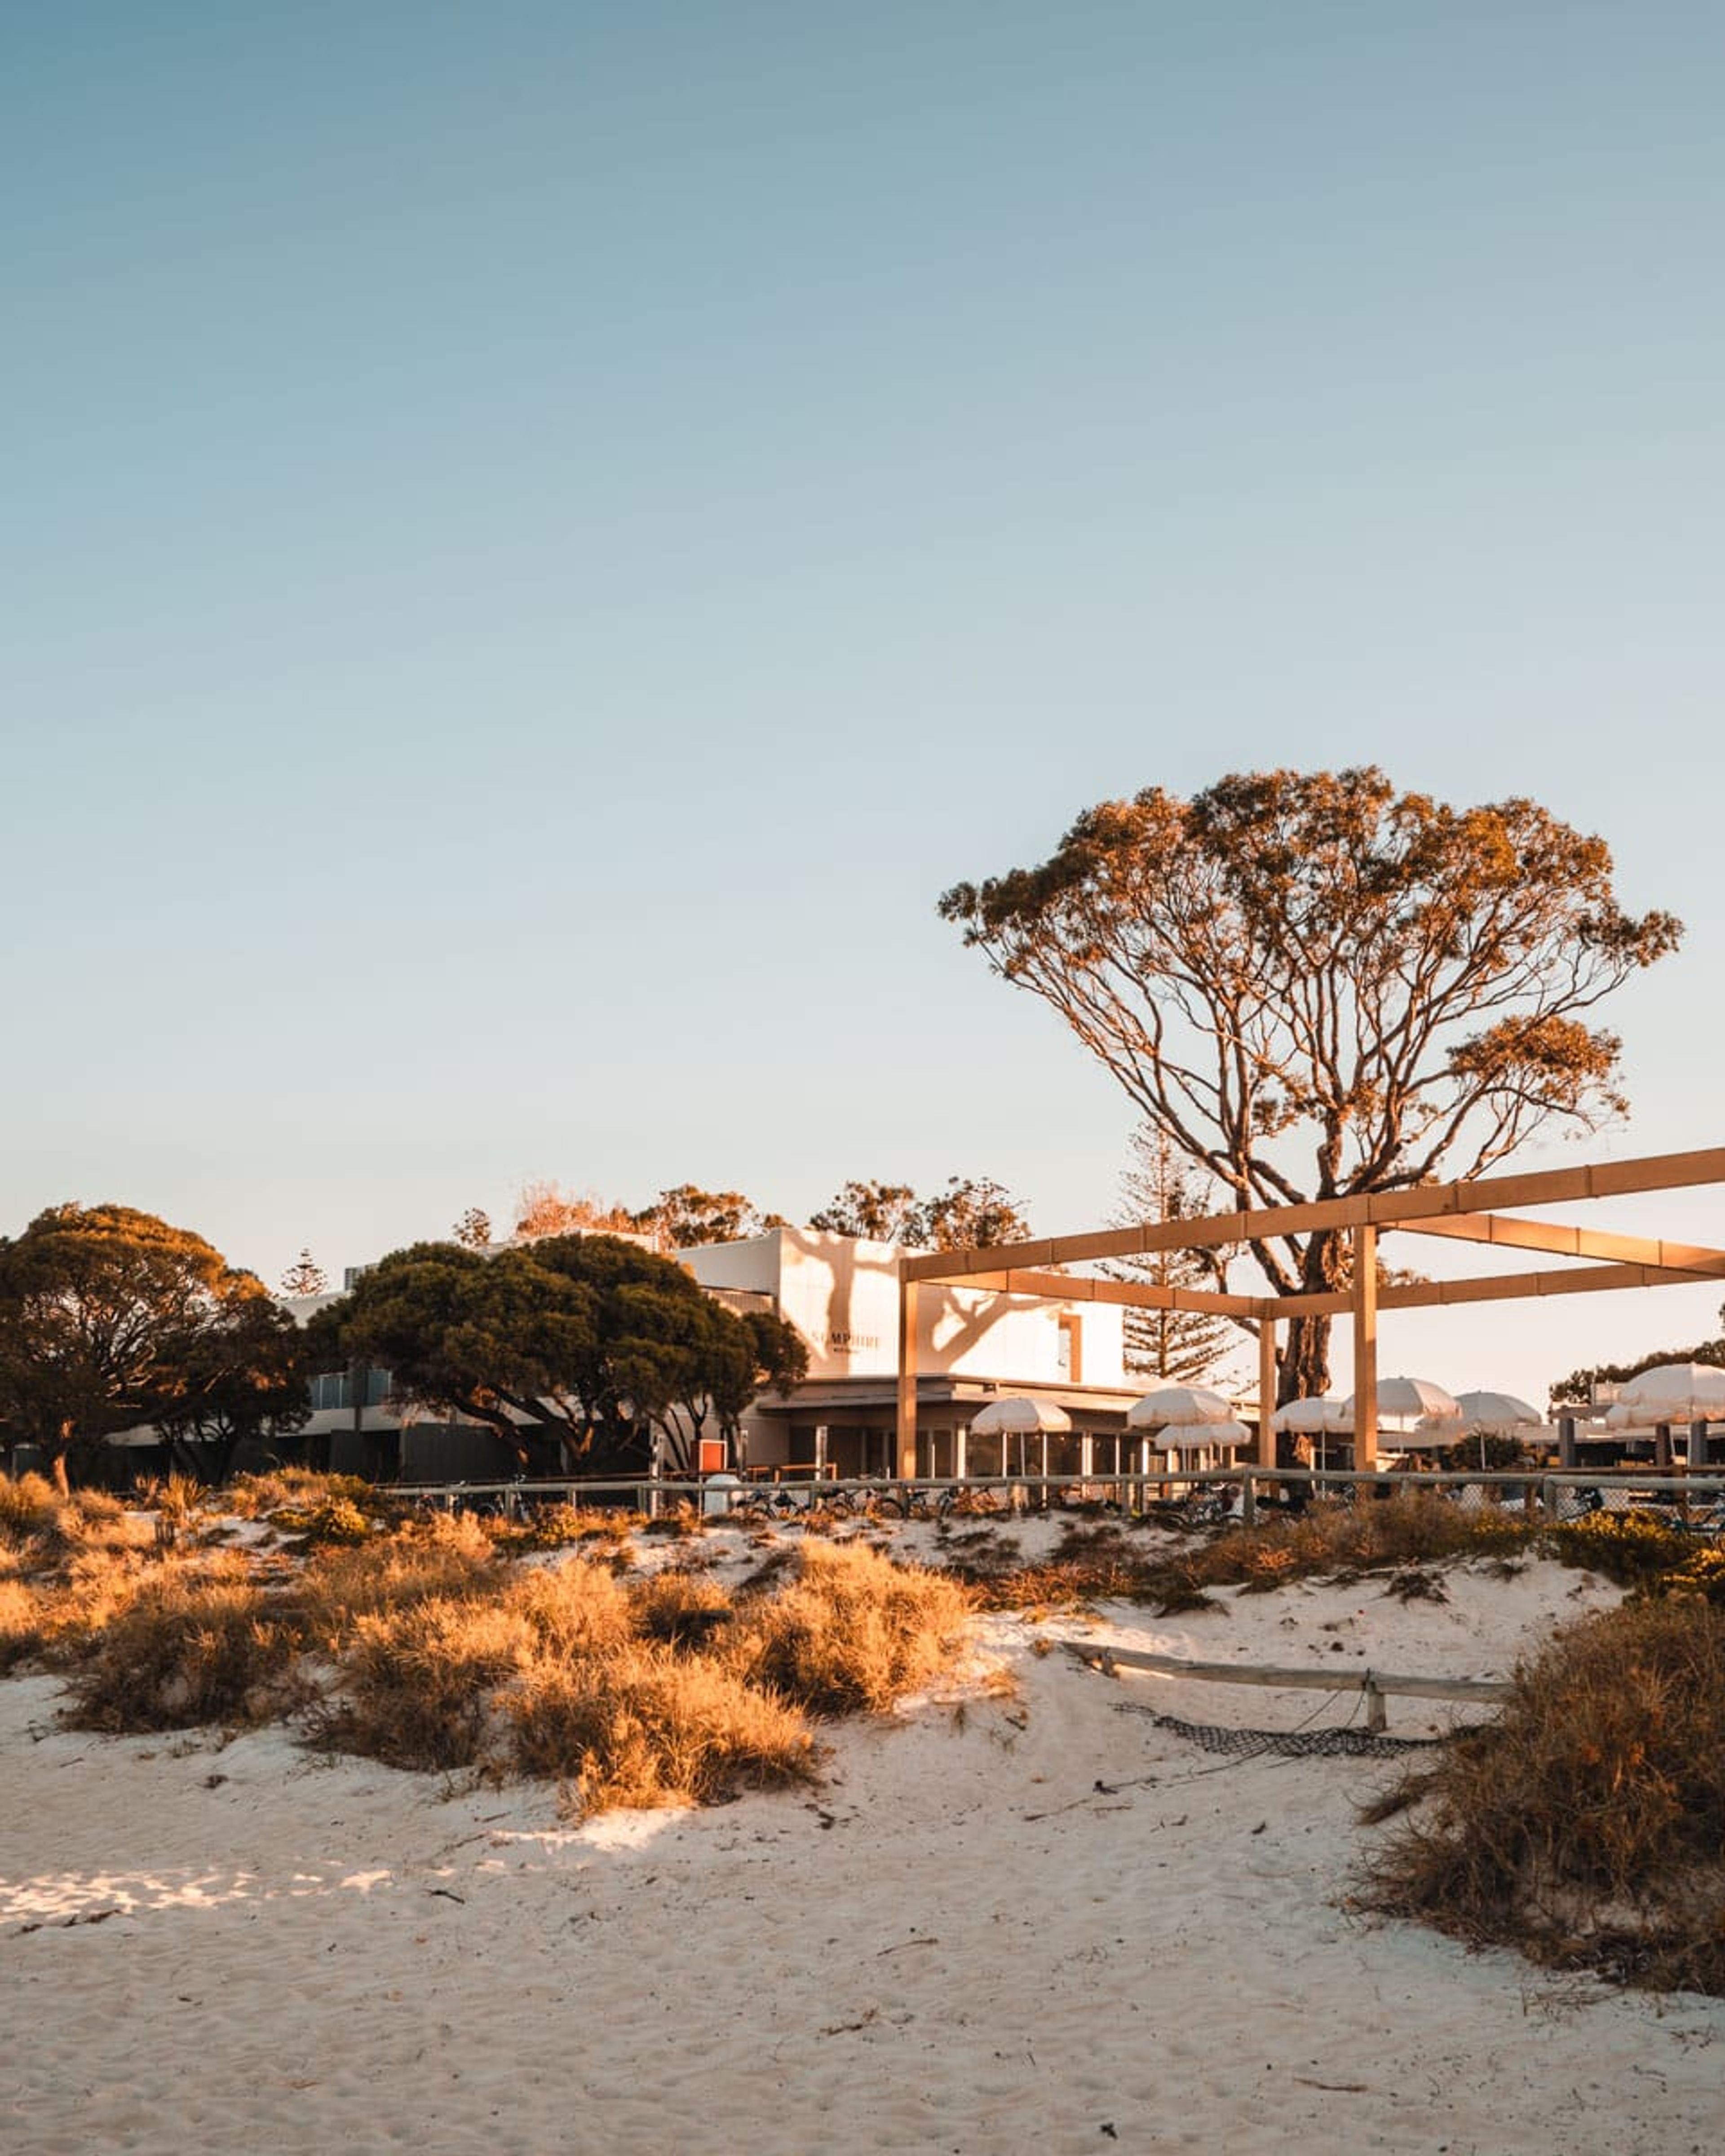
{"x": 1464, "y": 1212}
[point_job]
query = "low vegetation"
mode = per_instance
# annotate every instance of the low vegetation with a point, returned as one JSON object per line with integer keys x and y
{"x": 1123, "y": 1562}
{"x": 452, "y": 1643}
{"x": 1585, "y": 1823}
{"x": 1582, "y": 1824}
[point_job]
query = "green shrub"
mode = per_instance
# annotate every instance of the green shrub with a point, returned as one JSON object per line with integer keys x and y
{"x": 1630, "y": 1548}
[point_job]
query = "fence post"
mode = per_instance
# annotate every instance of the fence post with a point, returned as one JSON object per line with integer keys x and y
{"x": 1548, "y": 1498}
{"x": 1248, "y": 1499}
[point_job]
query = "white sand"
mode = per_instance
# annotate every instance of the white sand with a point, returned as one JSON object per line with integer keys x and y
{"x": 1053, "y": 1927}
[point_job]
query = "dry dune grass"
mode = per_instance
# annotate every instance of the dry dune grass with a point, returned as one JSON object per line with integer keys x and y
{"x": 417, "y": 1681}
{"x": 188, "y": 1646}
{"x": 442, "y": 1556}
{"x": 666, "y": 1690}
{"x": 1412, "y": 1527}
{"x": 646, "y": 1726}
{"x": 1586, "y": 1824}
{"x": 26, "y": 1622}
{"x": 681, "y": 1608}
{"x": 29, "y": 1505}
{"x": 1113, "y": 1560}
{"x": 851, "y": 1632}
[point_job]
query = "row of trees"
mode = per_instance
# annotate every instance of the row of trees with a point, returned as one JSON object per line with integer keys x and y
{"x": 574, "y": 1350}
{"x": 109, "y": 1318}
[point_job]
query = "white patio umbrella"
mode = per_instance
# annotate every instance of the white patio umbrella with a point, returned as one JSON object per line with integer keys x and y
{"x": 1176, "y": 1404}
{"x": 1672, "y": 1391}
{"x": 1497, "y": 1412}
{"x": 1315, "y": 1418}
{"x": 1014, "y": 1414}
{"x": 1191, "y": 1436}
{"x": 1413, "y": 1399}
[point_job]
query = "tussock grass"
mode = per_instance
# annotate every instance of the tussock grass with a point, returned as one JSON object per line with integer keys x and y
{"x": 29, "y": 1505}
{"x": 557, "y": 1526}
{"x": 187, "y": 1648}
{"x": 645, "y": 1727}
{"x": 682, "y": 1609}
{"x": 852, "y": 1632}
{"x": 442, "y": 1556}
{"x": 1409, "y": 1528}
{"x": 1585, "y": 1825}
{"x": 417, "y": 1682}
{"x": 298, "y": 1490}
{"x": 1089, "y": 1563}
{"x": 424, "y": 1647}
{"x": 577, "y": 1608}
{"x": 26, "y": 1622}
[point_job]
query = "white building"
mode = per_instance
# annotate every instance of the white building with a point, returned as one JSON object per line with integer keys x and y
{"x": 973, "y": 1346}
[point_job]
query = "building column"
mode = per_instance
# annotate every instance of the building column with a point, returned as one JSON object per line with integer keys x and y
{"x": 1266, "y": 1455}
{"x": 1365, "y": 1347}
{"x": 906, "y": 1378}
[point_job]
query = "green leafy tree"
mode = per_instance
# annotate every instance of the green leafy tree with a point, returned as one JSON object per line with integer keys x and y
{"x": 1174, "y": 1347}
{"x": 243, "y": 1383}
{"x": 110, "y": 1318}
{"x": 473, "y": 1231}
{"x": 686, "y": 1216}
{"x": 1577, "y": 1389}
{"x": 878, "y": 1212}
{"x": 572, "y": 1349}
{"x": 1315, "y": 986}
{"x": 971, "y": 1213}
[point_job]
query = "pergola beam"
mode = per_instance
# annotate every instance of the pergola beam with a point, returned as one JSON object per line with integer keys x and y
{"x": 1081, "y": 1287}
{"x": 1464, "y": 1211}
{"x": 1381, "y": 1209}
{"x": 1554, "y": 1237}
{"x": 1488, "y": 1287}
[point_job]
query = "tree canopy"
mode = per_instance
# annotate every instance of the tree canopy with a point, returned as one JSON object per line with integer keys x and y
{"x": 571, "y": 1348}
{"x": 971, "y": 1213}
{"x": 110, "y": 1318}
{"x": 686, "y": 1216}
{"x": 1577, "y": 1389}
{"x": 1314, "y": 985}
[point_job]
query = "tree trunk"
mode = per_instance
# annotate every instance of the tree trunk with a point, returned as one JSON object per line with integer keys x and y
{"x": 62, "y": 1479}
{"x": 1304, "y": 1366}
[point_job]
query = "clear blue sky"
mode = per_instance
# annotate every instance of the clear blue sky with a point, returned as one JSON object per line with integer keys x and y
{"x": 538, "y": 539}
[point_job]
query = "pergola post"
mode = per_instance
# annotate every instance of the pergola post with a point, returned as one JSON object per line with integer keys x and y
{"x": 1266, "y": 1392}
{"x": 907, "y": 1377}
{"x": 1365, "y": 1347}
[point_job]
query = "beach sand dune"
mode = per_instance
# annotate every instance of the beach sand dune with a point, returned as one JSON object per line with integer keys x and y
{"x": 1042, "y": 1923}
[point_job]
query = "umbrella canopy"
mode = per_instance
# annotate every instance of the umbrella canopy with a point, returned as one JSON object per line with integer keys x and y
{"x": 1315, "y": 1418}
{"x": 1177, "y": 1404}
{"x": 1497, "y": 1411}
{"x": 1409, "y": 1399}
{"x": 1190, "y": 1436}
{"x": 1015, "y": 1414}
{"x": 1672, "y": 1391}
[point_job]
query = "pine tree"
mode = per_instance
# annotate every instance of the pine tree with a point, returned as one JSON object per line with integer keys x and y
{"x": 1175, "y": 1346}
{"x": 305, "y": 1277}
